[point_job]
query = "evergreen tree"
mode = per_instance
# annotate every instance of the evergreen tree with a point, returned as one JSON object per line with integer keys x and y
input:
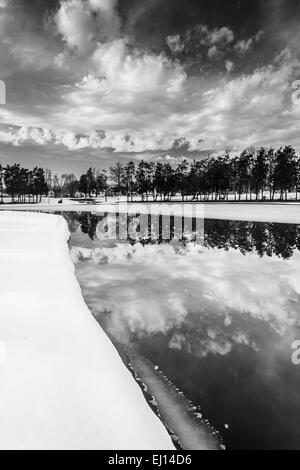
{"x": 260, "y": 171}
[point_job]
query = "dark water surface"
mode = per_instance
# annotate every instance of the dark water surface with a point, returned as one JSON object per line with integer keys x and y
{"x": 218, "y": 318}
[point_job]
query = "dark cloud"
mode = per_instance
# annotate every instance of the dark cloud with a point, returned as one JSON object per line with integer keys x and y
{"x": 152, "y": 21}
{"x": 37, "y": 7}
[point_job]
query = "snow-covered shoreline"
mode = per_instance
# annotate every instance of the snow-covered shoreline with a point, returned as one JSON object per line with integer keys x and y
{"x": 276, "y": 212}
{"x": 62, "y": 382}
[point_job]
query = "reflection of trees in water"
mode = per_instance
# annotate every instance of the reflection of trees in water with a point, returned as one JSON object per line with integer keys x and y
{"x": 85, "y": 220}
{"x": 88, "y": 223}
{"x": 266, "y": 239}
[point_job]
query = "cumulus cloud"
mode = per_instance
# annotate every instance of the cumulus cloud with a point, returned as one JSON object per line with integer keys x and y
{"x": 202, "y": 40}
{"x": 175, "y": 44}
{"x": 116, "y": 141}
{"x": 244, "y": 45}
{"x": 216, "y": 36}
{"x": 133, "y": 73}
{"x": 122, "y": 102}
{"x": 82, "y": 83}
{"x": 83, "y": 24}
{"x": 263, "y": 92}
{"x": 213, "y": 52}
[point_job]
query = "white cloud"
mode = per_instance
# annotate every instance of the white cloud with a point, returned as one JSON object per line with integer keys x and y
{"x": 128, "y": 99}
{"x": 244, "y": 45}
{"x": 220, "y": 35}
{"x": 212, "y": 52}
{"x": 137, "y": 114}
{"x": 175, "y": 44}
{"x": 82, "y": 24}
{"x": 133, "y": 72}
{"x": 4, "y": 3}
{"x": 216, "y": 36}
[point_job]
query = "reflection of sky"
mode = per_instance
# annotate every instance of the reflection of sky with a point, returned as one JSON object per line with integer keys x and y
{"x": 155, "y": 288}
{"x": 219, "y": 324}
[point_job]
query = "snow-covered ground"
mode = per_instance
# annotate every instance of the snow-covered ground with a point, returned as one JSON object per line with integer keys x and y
{"x": 54, "y": 201}
{"x": 62, "y": 382}
{"x": 255, "y": 212}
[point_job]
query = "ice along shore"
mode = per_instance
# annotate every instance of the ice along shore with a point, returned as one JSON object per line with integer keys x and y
{"x": 288, "y": 213}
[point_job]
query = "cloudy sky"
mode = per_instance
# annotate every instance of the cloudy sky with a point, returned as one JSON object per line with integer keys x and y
{"x": 90, "y": 82}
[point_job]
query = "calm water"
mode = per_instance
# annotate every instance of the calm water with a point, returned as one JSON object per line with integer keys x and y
{"x": 218, "y": 318}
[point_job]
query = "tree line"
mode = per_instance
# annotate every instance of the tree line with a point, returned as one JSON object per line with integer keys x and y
{"x": 22, "y": 184}
{"x": 254, "y": 175}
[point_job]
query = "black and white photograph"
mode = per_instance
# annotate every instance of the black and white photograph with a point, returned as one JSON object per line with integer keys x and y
{"x": 150, "y": 227}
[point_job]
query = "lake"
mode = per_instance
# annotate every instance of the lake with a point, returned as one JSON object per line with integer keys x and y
{"x": 216, "y": 317}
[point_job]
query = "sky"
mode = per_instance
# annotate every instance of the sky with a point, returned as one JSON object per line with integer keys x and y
{"x": 92, "y": 82}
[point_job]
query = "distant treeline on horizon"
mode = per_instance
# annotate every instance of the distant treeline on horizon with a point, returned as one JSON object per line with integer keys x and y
{"x": 258, "y": 174}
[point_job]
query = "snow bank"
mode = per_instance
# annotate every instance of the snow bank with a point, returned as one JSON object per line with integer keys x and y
{"x": 62, "y": 382}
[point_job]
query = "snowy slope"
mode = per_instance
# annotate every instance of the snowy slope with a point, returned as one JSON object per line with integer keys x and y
{"x": 62, "y": 383}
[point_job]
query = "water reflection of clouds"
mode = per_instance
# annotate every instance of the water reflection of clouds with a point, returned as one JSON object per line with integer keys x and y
{"x": 205, "y": 300}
